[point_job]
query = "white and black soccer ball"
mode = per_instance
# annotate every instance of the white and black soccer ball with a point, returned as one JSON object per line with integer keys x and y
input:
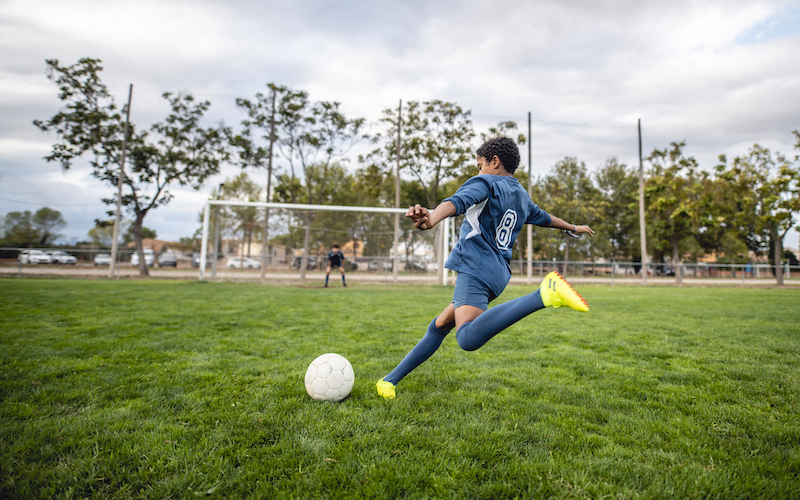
{"x": 330, "y": 377}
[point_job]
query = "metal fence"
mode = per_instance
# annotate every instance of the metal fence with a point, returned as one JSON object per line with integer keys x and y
{"x": 700, "y": 270}
{"x": 99, "y": 258}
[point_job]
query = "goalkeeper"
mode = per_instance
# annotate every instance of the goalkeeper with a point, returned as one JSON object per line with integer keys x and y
{"x": 496, "y": 207}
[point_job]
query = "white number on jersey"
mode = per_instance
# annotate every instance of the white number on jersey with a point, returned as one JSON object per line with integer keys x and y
{"x": 506, "y": 229}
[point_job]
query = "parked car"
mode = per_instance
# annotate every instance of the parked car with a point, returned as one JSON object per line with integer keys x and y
{"x": 34, "y": 257}
{"x": 102, "y": 259}
{"x": 242, "y": 263}
{"x": 61, "y": 257}
{"x": 196, "y": 259}
{"x": 665, "y": 271}
{"x": 377, "y": 265}
{"x": 312, "y": 263}
{"x": 149, "y": 258}
{"x": 168, "y": 259}
{"x": 417, "y": 267}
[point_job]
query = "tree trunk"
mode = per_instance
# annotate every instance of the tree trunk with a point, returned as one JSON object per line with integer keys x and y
{"x": 249, "y": 238}
{"x": 566, "y": 256}
{"x": 778, "y": 247}
{"x": 676, "y": 263}
{"x": 137, "y": 238}
{"x": 306, "y": 249}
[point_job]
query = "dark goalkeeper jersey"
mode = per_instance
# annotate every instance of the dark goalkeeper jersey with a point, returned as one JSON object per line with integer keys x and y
{"x": 497, "y": 208}
{"x": 335, "y": 258}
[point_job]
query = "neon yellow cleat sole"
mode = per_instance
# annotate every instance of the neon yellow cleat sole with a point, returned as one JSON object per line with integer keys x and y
{"x": 557, "y": 292}
{"x": 385, "y": 389}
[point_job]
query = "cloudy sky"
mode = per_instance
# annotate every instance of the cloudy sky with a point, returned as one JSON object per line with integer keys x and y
{"x": 720, "y": 74}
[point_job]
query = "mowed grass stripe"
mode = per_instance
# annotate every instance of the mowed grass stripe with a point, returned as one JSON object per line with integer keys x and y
{"x": 151, "y": 389}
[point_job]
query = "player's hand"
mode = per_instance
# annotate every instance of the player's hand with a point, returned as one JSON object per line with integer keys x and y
{"x": 420, "y": 215}
{"x": 585, "y": 229}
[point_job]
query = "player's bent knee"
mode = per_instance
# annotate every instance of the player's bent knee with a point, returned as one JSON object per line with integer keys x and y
{"x": 464, "y": 340}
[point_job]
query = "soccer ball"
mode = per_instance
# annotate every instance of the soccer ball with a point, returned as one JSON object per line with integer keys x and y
{"x": 330, "y": 377}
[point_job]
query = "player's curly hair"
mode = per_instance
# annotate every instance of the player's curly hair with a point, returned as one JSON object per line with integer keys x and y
{"x": 505, "y": 149}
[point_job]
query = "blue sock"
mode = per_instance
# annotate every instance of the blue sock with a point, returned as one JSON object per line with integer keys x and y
{"x": 326, "y": 280}
{"x": 343, "y": 283}
{"x": 474, "y": 334}
{"x": 422, "y": 351}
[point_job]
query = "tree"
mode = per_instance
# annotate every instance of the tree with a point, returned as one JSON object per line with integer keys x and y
{"x": 504, "y": 128}
{"x": 18, "y": 230}
{"x": 312, "y": 137}
{"x": 673, "y": 196}
{"x": 47, "y": 222}
{"x": 435, "y": 147}
{"x": 176, "y": 151}
{"x": 256, "y": 143}
{"x": 243, "y": 220}
{"x": 26, "y": 229}
{"x": 568, "y": 192}
{"x": 338, "y": 190}
{"x": 618, "y": 219}
{"x": 129, "y": 234}
{"x": 102, "y": 234}
{"x": 723, "y": 228}
{"x": 769, "y": 197}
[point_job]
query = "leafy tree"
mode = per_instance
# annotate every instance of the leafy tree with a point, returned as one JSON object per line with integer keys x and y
{"x": 505, "y": 128}
{"x": 242, "y": 220}
{"x": 102, "y": 234}
{"x": 337, "y": 191}
{"x": 768, "y": 186}
{"x": 312, "y": 138}
{"x": 176, "y": 151}
{"x": 435, "y": 148}
{"x": 618, "y": 220}
{"x": 673, "y": 199}
{"x": 255, "y": 145}
{"x": 568, "y": 192}
{"x": 18, "y": 230}
{"x": 722, "y": 227}
{"x": 26, "y": 229}
{"x": 129, "y": 234}
{"x": 47, "y": 222}
{"x": 436, "y": 144}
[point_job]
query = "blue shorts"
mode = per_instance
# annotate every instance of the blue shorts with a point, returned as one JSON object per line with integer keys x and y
{"x": 471, "y": 291}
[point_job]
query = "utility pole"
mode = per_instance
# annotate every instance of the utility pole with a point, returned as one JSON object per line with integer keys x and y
{"x": 396, "y": 243}
{"x": 642, "y": 227}
{"x": 115, "y": 240}
{"x": 264, "y": 247}
{"x": 530, "y": 194}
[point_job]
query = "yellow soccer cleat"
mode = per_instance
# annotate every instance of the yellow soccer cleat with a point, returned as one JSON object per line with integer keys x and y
{"x": 385, "y": 389}
{"x": 557, "y": 292}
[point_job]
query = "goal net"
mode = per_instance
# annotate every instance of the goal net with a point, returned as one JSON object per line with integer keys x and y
{"x": 300, "y": 237}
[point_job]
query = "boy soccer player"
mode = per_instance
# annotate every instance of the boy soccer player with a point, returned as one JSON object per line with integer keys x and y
{"x": 335, "y": 259}
{"x": 496, "y": 207}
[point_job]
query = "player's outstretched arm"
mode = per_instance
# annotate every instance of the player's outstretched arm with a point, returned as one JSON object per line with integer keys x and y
{"x": 425, "y": 219}
{"x": 561, "y": 224}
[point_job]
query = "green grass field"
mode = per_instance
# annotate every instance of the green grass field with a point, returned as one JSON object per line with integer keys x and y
{"x": 164, "y": 389}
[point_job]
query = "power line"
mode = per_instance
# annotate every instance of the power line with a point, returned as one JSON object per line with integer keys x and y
{"x": 26, "y": 81}
{"x": 560, "y": 123}
{"x": 49, "y": 204}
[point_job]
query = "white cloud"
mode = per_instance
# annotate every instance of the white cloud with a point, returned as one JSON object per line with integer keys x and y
{"x": 719, "y": 74}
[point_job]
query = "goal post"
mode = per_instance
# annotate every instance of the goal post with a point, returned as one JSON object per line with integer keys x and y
{"x": 301, "y": 236}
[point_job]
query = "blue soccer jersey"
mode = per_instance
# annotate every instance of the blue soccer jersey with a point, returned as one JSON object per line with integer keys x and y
{"x": 496, "y": 207}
